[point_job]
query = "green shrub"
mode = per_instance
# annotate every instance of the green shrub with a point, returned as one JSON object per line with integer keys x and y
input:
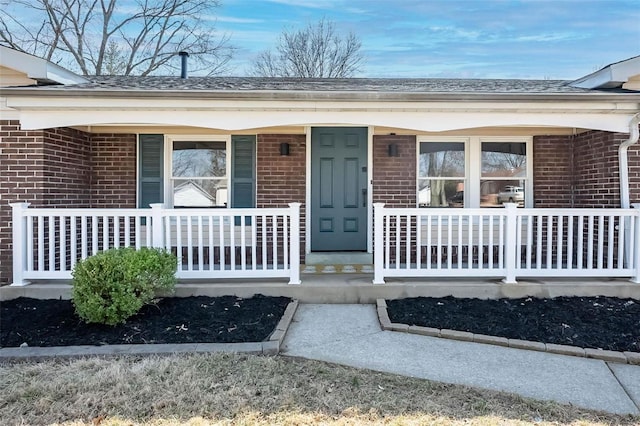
{"x": 113, "y": 285}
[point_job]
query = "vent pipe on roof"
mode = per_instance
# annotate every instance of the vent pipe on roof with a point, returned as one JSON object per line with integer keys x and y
{"x": 183, "y": 69}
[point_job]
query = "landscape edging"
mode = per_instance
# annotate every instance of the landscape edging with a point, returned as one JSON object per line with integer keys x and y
{"x": 271, "y": 346}
{"x": 603, "y": 355}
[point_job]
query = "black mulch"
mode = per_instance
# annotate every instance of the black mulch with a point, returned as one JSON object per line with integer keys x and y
{"x": 200, "y": 319}
{"x": 588, "y": 322}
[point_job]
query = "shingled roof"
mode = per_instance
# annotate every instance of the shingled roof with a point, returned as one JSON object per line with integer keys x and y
{"x": 307, "y": 89}
{"x": 261, "y": 84}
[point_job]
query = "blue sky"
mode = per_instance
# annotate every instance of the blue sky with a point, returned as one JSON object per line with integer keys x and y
{"x": 557, "y": 39}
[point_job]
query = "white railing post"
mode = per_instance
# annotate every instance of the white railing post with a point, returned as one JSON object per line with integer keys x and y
{"x": 510, "y": 242}
{"x": 157, "y": 225}
{"x": 294, "y": 243}
{"x": 636, "y": 244}
{"x": 19, "y": 243}
{"x": 378, "y": 243}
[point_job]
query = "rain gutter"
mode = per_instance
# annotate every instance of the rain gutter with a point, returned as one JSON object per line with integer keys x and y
{"x": 623, "y": 159}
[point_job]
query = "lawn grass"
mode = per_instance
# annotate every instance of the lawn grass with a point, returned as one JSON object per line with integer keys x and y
{"x": 254, "y": 390}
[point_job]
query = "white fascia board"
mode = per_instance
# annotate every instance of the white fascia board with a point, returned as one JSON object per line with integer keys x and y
{"x": 37, "y": 68}
{"x": 63, "y": 76}
{"x": 240, "y": 120}
{"x": 611, "y": 76}
{"x": 624, "y": 70}
{"x": 598, "y": 79}
{"x": 7, "y": 113}
{"x": 186, "y": 106}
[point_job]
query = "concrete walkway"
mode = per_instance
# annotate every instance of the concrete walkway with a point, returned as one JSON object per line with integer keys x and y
{"x": 351, "y": 335}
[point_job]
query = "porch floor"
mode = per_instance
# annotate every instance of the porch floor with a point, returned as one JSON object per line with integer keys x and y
{"x": 358, "y": 288}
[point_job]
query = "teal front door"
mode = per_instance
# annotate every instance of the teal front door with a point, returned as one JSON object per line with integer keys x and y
{"x": 339, "y": 189}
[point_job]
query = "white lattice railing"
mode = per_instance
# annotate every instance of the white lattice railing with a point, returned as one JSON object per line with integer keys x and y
{"x": 209, "y": 243}
{"x": 506, "y": 243}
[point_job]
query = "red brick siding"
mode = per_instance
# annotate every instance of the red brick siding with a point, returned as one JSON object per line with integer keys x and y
{"x": 394, "y": 178}
{"x": 582, "y": 171}
{"x": 282, "y": 179}
{"x": 113, "y": 170}
{"x": 43, "y": 167}
{"x": 596, "y": 170}
{"x": 552, "y": 171}
{"x": 67, "y": 166}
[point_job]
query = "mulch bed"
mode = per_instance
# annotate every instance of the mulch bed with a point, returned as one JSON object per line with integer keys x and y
{"x": 199, "y": 319}
{"x": 588, "y": 322}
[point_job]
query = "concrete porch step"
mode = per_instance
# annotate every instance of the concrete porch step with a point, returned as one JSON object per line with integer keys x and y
{"x": 339, "y": 258}
{"x": 337, "y": 269}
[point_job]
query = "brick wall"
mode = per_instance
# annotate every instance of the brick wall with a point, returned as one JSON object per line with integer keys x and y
{"x": 394, "y": 178}
{"x": 596, "y": 169}
{"x": 582, "y": 171}
{"x": 113, "y": 170}
{"x": 67, "y": 167}
{"x": 552, "y": 171}
{"x": 64, "y": 167}
{"x": 43, "y": 167}
{"x": 282, "y": 179}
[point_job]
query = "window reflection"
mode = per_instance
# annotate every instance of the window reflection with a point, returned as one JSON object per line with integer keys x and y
{"x": 199, "y": 159}
{"x": 441, "y": 174}
{"x": 504, "y": 173}
{"x": 199, "y": 174}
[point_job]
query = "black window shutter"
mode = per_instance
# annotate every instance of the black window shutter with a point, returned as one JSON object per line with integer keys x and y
{"x": 243, "y": 174}
{"x": 243, "y": 171}
{"x": 151, "y": 170}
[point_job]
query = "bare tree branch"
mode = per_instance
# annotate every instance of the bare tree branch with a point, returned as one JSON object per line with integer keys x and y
{"x": 316, "y": 51}
{"x": 114, "y": 36}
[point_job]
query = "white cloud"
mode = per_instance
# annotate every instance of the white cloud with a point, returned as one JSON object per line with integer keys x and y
{"x": 234, "y": 20}
{"x": 551, "y": 37}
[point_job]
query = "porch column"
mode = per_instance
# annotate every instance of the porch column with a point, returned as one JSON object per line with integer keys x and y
{"x": 635, "y": 243}
{"x": 19, "y": 243}
{"x": 157, "y": 230}
{"x": 378, "y": 243}
{"x": 294, "y": 248}
{"x": 510, "y": 242}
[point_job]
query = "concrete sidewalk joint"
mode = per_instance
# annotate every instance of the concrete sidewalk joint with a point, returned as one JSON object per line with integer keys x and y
{"x": 603, "y": 355}
{"x": 269, "y": 347}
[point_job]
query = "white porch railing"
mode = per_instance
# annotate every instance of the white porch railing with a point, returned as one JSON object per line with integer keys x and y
{"x": 209, "y": 243}
{"x": 506, "y": 243}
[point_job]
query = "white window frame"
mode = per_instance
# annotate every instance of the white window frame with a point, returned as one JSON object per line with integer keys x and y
{"x": 168, "y": 161}
{"x": 448, "y": 139}
{"x": 473, "y": 164}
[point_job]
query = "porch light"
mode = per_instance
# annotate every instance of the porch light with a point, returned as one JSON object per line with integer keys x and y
{"x": 284, "y": 148}
{"x": 393, "y": 150}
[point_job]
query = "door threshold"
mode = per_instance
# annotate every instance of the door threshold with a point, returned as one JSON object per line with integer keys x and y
{"x": 339, "y": 258}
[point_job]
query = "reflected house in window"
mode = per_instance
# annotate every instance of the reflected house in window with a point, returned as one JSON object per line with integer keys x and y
{"x": 190, "y": 194}
{"x": 424, "y": 197}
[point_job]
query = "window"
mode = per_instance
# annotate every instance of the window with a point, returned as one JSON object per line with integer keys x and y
{"x": 504, "y": 173}
{"x": 441, "y": 174}
{"x": 197, "y": 171}
{"x": 473, "y": 172}
{"x": 199, "y": 175}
